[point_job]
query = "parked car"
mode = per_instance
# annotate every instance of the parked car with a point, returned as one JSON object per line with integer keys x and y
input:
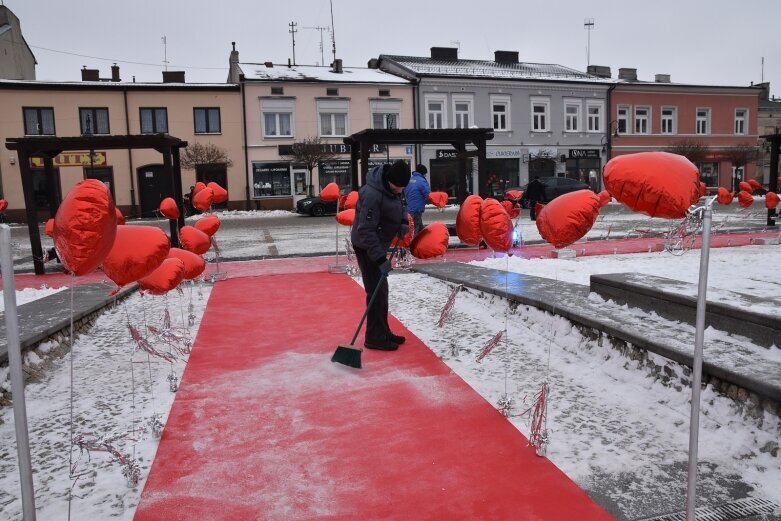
{"x": 315, "y": 206}
{"x": 554, "y": 187}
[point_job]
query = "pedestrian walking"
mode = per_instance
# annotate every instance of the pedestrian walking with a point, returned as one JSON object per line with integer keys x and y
{"x": 535, "y": 192}
{"x": 380, "y": 216}
{"x": 416, "y": 194}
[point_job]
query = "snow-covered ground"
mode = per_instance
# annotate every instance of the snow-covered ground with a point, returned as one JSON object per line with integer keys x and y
{"x": 606, "y": 415}
{"x": 23, "y": 296}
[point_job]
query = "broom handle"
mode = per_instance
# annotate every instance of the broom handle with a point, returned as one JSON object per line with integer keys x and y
{"x": 374, "y": 294}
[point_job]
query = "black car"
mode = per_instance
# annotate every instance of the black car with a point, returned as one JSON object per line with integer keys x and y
{"x": 315, "y": 206}
{"x": 554, "y": 187}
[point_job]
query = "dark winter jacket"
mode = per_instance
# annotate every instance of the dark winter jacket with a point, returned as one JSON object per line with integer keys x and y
{"x": 416, "y": 193}
{"x": 535, "y": 191}
{"x": 379, "y": 216}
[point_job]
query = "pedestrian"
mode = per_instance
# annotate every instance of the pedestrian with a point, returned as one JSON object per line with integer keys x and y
{"x": 188, "y": 202}
{"x": 380, "y": 216}
{"x": 416, "y": 194}
{"x": 535, "y": 192}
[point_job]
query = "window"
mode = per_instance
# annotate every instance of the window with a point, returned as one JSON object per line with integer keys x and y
{"x": 271, "y": 179}
{"x": 207, "y": 120}
{"x": 623, "y": 119}
{"x": 332, "y": 92}
{"x": 38, "y": 121}
{"x": 462, "y": 111}
{"x": 333, "y": 117}
{"x": 385, "y": 92}
{"x": 540, "y": 111}
{"x": 571, "y": 116}
{"x": 385, "y": 113}
{"x": 500, "y": 113}
{"x": 154, "y": 121}
{"x": 594, "y": 111}
{"x": 94, "y": 121}
{"x": 435, "y": 112}
{"x": 277, "y": 116}
{"x": 277, "y": 91}
{"x": 741, "y": 115}
{"x": 709, "y": 174}
{"x": 703, "y": 121}
{"x": 642, "y": 115}
{"x": 669, "y": 120}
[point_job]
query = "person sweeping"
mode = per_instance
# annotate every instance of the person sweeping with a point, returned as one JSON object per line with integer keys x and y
{"x": 380, "y": 217}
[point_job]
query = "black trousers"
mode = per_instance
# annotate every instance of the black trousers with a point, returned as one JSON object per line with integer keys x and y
{"x": 377, "y": 319}
{"x": 532, "y": 210}
{"x": 417, "y": 219}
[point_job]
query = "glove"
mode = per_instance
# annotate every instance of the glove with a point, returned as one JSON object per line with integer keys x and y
{"x": 385, "y": 267}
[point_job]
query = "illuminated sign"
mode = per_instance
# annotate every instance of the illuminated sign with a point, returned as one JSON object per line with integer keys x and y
{"x": 72, "y": 159}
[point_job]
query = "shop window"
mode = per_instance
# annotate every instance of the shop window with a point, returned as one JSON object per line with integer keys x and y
{"x": 271, "y": 179}
{"x": 709, "y": 174}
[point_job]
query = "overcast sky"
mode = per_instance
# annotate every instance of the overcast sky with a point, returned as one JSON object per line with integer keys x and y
{"x": 713, "y": 42}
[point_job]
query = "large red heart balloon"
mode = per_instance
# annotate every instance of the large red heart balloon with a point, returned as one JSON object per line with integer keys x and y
{"x": 203, "y": 200}
{"x": 468, "y": 220}
{"x": 568, "y": 217}
{"x": 165, "y": 278}
{"x": 496, "y": 226}
{"x": 438, "y": 199}
{"x": 346, "y": 217}
{"x": 85, "y": 226}
{"x": 208, "y": 224}
{"x": 658, "y": 184}
{"x": 745, "y": 199}
{"x": 771, "y": 200}
{"x": 220, "y": 194}
{"x": 430, "y": 242}
{"x": 136, "y": 252}
{"x": 744, "y": 186}
{"x": 169, "y": 208}
{"x": 3, "y": 205}
{"x": 193, "y": 264}
{"x": 194, "y": 240}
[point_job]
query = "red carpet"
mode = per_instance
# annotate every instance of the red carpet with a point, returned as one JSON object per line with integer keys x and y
{"x": 265, "y": 426}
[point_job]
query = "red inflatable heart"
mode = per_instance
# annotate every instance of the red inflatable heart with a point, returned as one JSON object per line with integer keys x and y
{"x": 85, "y": 226}
{"x": 165, "y": 278}
{"x": 137, "y": 251}
{"x": 658, "y": 184}
{"x": 193, "y": 264}
{"x": 194, "y": 240}
{"x": 568, "y": 217}
{"x": 208, "y": 225}
{"x": 430, "y": 242}
{"x": 169, "y": 209}
{"x": 346, "y": 217}
{"x": 330, "y": 192}
{"x": 220, "y": 194}
{"x": 468, "y": 220}
{"x": 203, "y": 200}
{"x": 496, "y": 226}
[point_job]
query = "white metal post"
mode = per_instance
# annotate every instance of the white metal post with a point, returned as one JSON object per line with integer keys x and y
{"x": 694, "y": 428}
{"x": 17, "y": 378}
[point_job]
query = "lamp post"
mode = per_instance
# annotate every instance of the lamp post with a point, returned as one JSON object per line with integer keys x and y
{"x": 88, "y": 133}
{"x": 390, "y": 124}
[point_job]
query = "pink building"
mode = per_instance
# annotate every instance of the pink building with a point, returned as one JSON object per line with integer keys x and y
{"x": 720, "y": 121}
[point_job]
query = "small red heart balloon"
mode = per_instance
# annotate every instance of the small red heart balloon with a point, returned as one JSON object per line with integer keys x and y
{"x": 194, "y": 240}
{"x": 208, "y": 224}
{"x": 165, "y": 278}
{"x": 430, "y": 242}
{"x": 330, "y": 192}
{"x": 193, "y": 264}
{"x": 3, "y": 205}
{"x": 220, "y": 194}
{"x": 203, "y": 200}
{"x": 169, "y": 208}
{"x": 346, "y": 217}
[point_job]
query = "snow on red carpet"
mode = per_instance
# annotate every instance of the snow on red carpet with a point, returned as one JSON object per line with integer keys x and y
{"x": 265, "y": 426}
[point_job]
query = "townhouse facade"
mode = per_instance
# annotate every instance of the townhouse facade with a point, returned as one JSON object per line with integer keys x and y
{"x": 769, "y": 124}
{"x": 720, "y": 121}
{"x": 548, "y": 120}
{"x": 290, "y": 104}
{"x": 209, "y": 114}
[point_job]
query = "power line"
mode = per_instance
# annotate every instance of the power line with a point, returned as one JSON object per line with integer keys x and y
{"x": 121, "y": 61}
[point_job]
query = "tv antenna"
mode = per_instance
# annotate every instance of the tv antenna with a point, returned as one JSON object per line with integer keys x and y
{"x": 333, "y": 33}
{"x": 321, "y": 29}
{"x": 165, "y": 51}
{"x": 457, "y": 43}
{"x": 293, "y": 32}
{"x": 588, "y": 24}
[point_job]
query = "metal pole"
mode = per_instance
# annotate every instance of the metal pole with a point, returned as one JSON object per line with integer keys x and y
{"x": 17, "y": 379}
{"x": 694, "y": 428}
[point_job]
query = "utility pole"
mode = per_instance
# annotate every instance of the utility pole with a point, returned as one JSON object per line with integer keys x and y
{"x": 293, "y": 32}
{"x": 321, "y": 29}
{"x": 588, "y": 24}
{"x": 165, "y": 51}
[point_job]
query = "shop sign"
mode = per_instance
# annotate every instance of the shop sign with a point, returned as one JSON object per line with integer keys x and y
{"x": 270, "y": 168}
{"x": 447, "y": 154}
{"x": 579, "y": 153}
{"x": 72, "y": 159}
{"x": 329, "y": 148}
{"x": 503, "y": 153}
{"x": 340, "y": 167}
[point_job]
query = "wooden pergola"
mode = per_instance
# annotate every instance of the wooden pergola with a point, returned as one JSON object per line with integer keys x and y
{"x": 775, "y": 148}
{"x": 361, "y": 142}
{"x": 48, "y": 147}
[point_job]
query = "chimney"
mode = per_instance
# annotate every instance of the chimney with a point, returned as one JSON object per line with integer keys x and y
{"x": 627, "y": 74}
{"x": 90, "y": 74}
{"x": 506, "y": 57}
{"x": 374, "y": 63}
{"x": 234, "y": 70}
{"x": 269, "y": 65}
{"x": 600, "y": 71}
{"x": 662, "y": 78}
{"x": 173, "y": 76}
{"x": 765, "y": 94}
{"x": 115, "y": 73}
{"x": 337, "y": 66}
{"x": 448, "y": 54}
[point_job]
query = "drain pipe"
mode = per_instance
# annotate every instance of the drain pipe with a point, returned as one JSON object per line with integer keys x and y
{"x": 130, "y": 159}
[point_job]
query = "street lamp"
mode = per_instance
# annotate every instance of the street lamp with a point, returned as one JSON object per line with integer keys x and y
{"x": 88, "y": 133}
{"x": 390, "y": 124}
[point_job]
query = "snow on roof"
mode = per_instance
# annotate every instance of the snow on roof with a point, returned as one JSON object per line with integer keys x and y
{"x": 259, "y": 71}
{"x": 123, "y": 84}
{"x": 490, "y": 69}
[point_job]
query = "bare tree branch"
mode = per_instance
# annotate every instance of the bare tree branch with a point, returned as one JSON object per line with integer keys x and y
{"x": 197, "y": 154}
{"x": 692, "y": 149}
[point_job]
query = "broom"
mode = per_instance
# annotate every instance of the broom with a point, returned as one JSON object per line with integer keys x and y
{"x": 350, "y": 355}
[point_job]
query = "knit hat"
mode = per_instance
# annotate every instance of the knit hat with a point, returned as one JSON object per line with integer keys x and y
{"x": 422, "y": 169}
{"x": 398, "y": 173}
